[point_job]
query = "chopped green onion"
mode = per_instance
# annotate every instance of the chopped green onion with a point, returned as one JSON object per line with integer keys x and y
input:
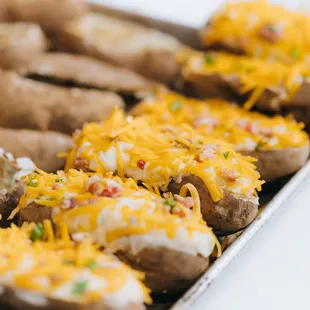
{"x": 225, "y": 154}
{"x": 271, "y": 28}
{"x": 33, "y": 183}
{"x": 37, "y": 232}
{"x": 92, "y": 264}
{"x": 260, "y": 144}
{"x": 209, "y": 60}
{"x": 80, "y": 287}
{"x": 200, "y": 142}
{"x": 170, "y": 202}
{"x": 51, "y": 198}
{"x": 59, "y": 180}
{"x": 296, "y": 53}
{"x": 68, "y": 262}
{"x": 175, "y": 106}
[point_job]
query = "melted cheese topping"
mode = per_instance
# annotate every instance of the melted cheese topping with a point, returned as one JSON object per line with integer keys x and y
{"x": 241, "y": 25}
{"x": 72, "y": 272}
{"x": 248, "y": 131}
{"x": 156, "y": 156}
{"x": 248, "y": 74}
{"x": 115, "y": 211}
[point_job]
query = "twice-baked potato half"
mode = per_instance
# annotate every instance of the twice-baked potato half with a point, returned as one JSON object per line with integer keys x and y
{"x": 20, "y": 43}
{"x": 49, "y": 14}
{"x": 128, "y": 44}
{"x": 71, "y": 70}
{"x": 42, "y": 147}
{"x": 160, "y": 157}
{"x": 279, "y": 144}
{"x": 11, "y": 185}
{"x": 165, "y": 238}
{"x": 29, "y": 104}
{"x": 49, "y": 272}
{"x": 260, "y": 29}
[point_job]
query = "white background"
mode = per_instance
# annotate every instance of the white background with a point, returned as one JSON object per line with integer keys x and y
{"x": 273, "y": 271}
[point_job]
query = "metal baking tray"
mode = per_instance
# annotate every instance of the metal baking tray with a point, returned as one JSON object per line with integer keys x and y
{"x": 272, "y": 197}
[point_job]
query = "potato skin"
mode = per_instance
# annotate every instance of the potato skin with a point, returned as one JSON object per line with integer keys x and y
{"x": 41, "y": 147}
{"x": 166, "y": 270}
{"x": 34, "y": 213}
{"x": 9, "y": 201}
{"x": 25, "y": 41}
{"x": 229, "y": 215}
{"x": 10, "y": 298}
{"x": 47, "y": 13}
{"x": 30, "y": 104}
{"x": 273, "y": 164}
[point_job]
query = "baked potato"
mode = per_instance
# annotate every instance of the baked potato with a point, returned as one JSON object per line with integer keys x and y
{"x": 260, "y": 29}
{"x": 20, "y": 43}
{"x": 279, "y": 144}
{"x": 159, "y": 156}
{"x": 49, "y": 14}
{"x": 11, "y": 185}
{"x": 144, "y": 50}
{"x": 29, "y": 104}
{"x": 41, "y": 147}
{"x": 56, "y": 273}
{"x": 137, "y": 225}
{"x": 85, "y": 72}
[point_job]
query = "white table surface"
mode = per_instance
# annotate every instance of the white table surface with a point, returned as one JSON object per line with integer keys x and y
{"x": 273, "y": 271}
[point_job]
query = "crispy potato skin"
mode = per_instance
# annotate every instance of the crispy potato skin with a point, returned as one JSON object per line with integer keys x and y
{"x": 166, "y": 269}
{"x": 30, "y": 104}
{"x": 48, "y": 14}
{"x": 34, "y": 213}
{"x": 229, "y": 215}
{"x": 25, "y": 42}
{"x": 10, "y": 298}
{"x": 273, "y": 164}
{"x": 8, "y": 202}
{"x": 41, "y": 147}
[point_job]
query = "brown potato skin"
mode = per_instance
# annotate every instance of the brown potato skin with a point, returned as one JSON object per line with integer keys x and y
{"x": 229, "y": 215}
{"x": 41, "y": 147}
{"x": 273, "y": 164}
{"x": 9, "y": 200}
{"x": 157, "y": 64}
{"x": 25, "y": 42}
{"x": 166, "y": 270}
{"x": 34, "y": 213}
{"x": 86, "y": 72}
{"x": 49, "y": 14}
{"x": 10, "y": 299}
{"x": 27, "y": 104}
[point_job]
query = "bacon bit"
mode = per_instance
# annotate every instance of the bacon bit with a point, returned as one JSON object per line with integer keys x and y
{"x": 68, "y": 203}
{"x": 112, "y": 191}
{"x": 81, "y": 163}
{"x": 267, "y": 132}
{"x": 230, "y": 175}
{"x": 141, "y": 164}
{"x": 178, "y": 211}
{"x": 187, "y": 202}
{"x": 270, "y": 33}
{"x": 95, "y": 188}
{"x": 56, "y": 186}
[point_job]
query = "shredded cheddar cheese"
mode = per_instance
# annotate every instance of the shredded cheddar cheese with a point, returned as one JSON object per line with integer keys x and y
{"x": 250, "y": 76}
{"x": 114, "y": 206}
{"x": 247, "y": 131}
{"x": 168, "y": 155}
{"x": 56, "y": 269}
{"x": 261, "y": 29}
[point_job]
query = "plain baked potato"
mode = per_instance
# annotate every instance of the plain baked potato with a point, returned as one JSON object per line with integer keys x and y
{"x": 174, "y": 235}
{"x": 127, "y": 44}
{"x": 29, "y": 104}
{"x": 20, "y": 43}
{"x": 41, "y": 147}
